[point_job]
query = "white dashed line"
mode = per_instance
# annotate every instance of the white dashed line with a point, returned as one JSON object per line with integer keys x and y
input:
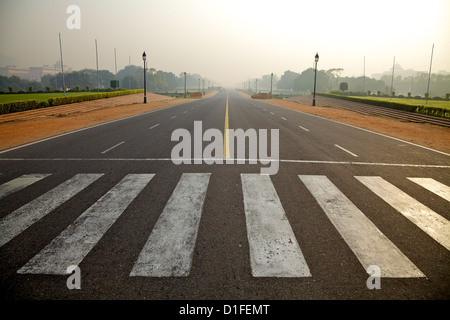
{"x": 343, "y": 149}
{"x": 303, "y": 128}
{"x": 107, "y": 150}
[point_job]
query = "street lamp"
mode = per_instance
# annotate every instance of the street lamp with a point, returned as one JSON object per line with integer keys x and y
{"x": 144, "y": 57}
{"x": 271, "y": 79}
{"x": 185, "y": 84}
{"x": 316, "y": 59}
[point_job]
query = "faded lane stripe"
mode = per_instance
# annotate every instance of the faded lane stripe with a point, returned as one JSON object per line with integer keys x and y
{"x": 343, "y": 149}
{"x": 367, "y": 242}
{"x": 115, "y": 146}
{"x": 319, "y": 162}
{"x": 274, "y": 251}
{"x": 77, "y": 240}
{"x": 22, "y": 218}
{"x": 303, "y": 128}
{"x": 436, "y": 226}
{"x": 226, "y": 142}
{"x": 169, "y": 249}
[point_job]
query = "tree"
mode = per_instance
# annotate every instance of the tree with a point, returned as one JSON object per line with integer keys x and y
{"x": 333, "y": 77}
{"x": 130, "y": 82}
{"x": 305, "y": 81}
{"x": 286, "y": 81}
{"x": 343, "y": 86}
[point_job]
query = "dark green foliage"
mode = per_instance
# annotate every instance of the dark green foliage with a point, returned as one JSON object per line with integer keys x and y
{"x": 427, "y": 110}
{"x": 18, "y": 106}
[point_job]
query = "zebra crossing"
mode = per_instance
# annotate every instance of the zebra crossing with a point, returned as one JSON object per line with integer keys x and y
{"x": 273, "y": 246}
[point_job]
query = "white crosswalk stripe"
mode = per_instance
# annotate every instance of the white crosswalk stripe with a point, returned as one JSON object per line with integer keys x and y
{"x": 434, "y": 186}
{"x": 368, "y": 243}
{"x": 169, "y": 249}
{"x": 22, "y": 218}
{"x": 273, "y": 247}
{"x": 426, "y": 219}
{"x": 75, "y": 242}
{"x": 274, "y": 251}
{"x": 19, "y": 183}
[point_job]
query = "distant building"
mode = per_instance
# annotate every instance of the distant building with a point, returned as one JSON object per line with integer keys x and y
{"x": 32, "y": 73}
{"x": 9, "y": 71}
{"x": 36, "y": 73}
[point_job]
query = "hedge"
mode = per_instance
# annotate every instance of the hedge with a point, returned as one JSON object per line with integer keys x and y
{"x": 18, "y": 106}
{"x": 73, "y": 99}
{"x": 426, "y": 110}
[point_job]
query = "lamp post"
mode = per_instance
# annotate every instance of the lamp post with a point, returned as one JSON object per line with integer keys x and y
{"x": 144, "y": 57}
{"x": 316, "y": 59}
{"x": 271, "y": 79}
{"x": 185, "y": 84}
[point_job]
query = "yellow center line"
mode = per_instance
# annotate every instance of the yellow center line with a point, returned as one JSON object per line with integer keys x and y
{"x": 226, "y": 146}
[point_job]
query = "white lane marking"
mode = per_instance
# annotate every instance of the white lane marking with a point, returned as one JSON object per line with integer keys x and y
{"x": 343, "y": 149}
{"x": 322, "y": 162}
{"x": 78, "y": 239}
{"x": 434, "y": 186}
{"x": 303, "y": 128}
{"x": 436, "y": 226}
{"x": 274, "y": 251}
{"x": 272, "y": 113}
{"x": 367, "y": 242}
{"x": 22, "y": 218}
{"x": 173, "y": 117}
{"x": 107, "y": 150}
{"x": 154, "y": 126}
{"x": 283, "y": 118}
{"x": 169, "y": 249}
{"x": 19, "y": 183}
{"x": 184, "y": 111}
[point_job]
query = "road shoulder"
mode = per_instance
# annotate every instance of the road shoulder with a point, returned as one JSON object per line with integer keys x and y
{"x": 19, "y": 132}
{"x": 426, "y": 135}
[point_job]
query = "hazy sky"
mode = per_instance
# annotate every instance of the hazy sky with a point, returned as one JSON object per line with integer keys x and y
{"x": 230, "y": 41}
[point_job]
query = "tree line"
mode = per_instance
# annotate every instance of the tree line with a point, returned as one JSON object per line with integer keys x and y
{"x": 331, "y": 80}
{"x": 130, "y": 77}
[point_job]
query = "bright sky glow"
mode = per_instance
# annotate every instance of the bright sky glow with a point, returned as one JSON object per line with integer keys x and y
{"x": 230, "y": 41}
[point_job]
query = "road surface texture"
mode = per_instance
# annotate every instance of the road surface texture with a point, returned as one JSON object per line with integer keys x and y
{"x": 345, "y": 206}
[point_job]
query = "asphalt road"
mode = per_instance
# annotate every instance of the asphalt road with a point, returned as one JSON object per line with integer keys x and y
{"x": 110, "y": 200}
